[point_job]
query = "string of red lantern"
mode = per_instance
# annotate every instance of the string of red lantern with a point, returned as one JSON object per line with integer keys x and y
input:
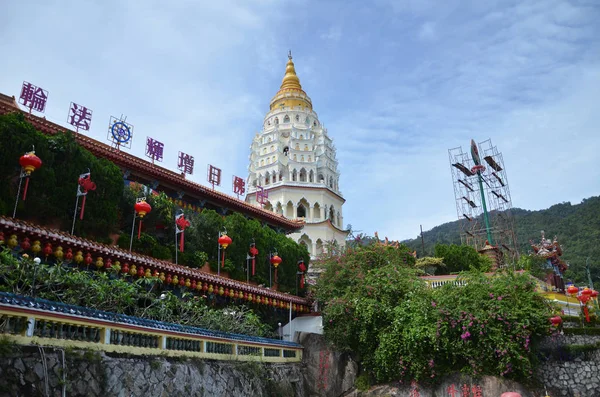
{"x": 275, "y": 261}
{"x": 141, "y": 208}
{"x": 253, "y": 254}
{"x": 224, "y": 242}
{"x": 181, "y": 224}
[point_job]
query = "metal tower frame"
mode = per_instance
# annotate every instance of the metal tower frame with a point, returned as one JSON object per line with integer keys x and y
{"x": 469, "y": 205}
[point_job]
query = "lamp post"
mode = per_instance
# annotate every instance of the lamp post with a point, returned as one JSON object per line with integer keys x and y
{"x": 36, "y": 262}
{"x": 29, "y": 162}
{"x": 274, "y": 261}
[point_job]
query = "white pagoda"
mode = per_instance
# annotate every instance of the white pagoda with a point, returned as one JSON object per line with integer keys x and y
{"x": 293, "y": 159}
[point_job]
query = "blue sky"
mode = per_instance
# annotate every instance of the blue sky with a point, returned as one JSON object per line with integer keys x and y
{"x": 397, "y": 83}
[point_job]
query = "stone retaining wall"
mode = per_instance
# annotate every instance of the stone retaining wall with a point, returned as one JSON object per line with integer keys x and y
{"x": 32, "y": 371}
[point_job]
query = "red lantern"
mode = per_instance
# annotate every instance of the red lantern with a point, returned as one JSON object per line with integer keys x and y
{"x": 88, "y": 259}
{"x": 141, "y": 209}
{"x": 141, "y": 271}
{"x": 594, "y": 294}
{"x": 108, "y": 264}
{"x": 253, "y": 254}
{"x": 572, "y": 290}
{"x": 125, "y": 268}
{"x": 224, "y": 241}
{"x": 48, "y": 249}
{"x": 302, "y": 269}
{"x": 29, "y": 163}
{"x": 181, "y": 281}
{"x": 169, "y": 279}
{"x": 556, "y": 320}
{"x": 275, "y": 261}
{"x": 586, "y": 292}
{"x": 181, "y": 224}
{"x": 25, "y": 245}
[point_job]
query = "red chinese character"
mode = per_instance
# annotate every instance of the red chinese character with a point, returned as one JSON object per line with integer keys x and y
{"x": 239, "y": 185}
{"x": 476, "y": 389}
{"x": 186, "y": 163}
{"x": 452, "y": 391}
{"x": 465, "y": 389}
{"x": 214, "y": 176}
{"x": 33, "y": 97}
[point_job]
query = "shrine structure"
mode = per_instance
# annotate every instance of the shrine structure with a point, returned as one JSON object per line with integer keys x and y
{"x": 551, "y": 251}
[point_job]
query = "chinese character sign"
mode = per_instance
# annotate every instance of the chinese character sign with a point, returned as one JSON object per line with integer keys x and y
{"x": 262, "y": 195}
{"x": 239, "y": 186}
{"x": 33, "y": 97}
{"x": 214, "y": 176}
{"x": 154, "y": 149}
{"x": 80, "y": 117}
{"x": 186, "y": 163}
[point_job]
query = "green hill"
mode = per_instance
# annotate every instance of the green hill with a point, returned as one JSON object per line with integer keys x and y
{"x": 577, "y": 227}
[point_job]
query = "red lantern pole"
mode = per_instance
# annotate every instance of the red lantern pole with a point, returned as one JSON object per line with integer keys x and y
{"x": 84, "y": 184}
{"x": 180, "y": 225}
{"x": 224, "y": 241}
{"x": 29, "y": 162}
{"x": 141, "y": 208}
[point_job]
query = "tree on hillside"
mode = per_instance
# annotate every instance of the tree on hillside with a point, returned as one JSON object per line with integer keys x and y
{"x": 458, "y": 258}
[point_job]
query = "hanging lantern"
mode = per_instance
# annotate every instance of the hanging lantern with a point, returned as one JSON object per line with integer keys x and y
{"x": 25, "y": 245}
{"x": 58, "y": 253}
{"x": 155, "y": 274}
{"x": 572, "y": 289}
{"x": 84, "y": 185}
{"x": 175, "y": 280}
{"x": 224, "y": 242}
{"x": 35, "y": 248}
{"x": 29, "y": 163}
{"x": 586, "y": 292}
{"x": 48, "y": 250}
{"x": 141, "y": 271}
{"x": 181, "y": 281}
{"x": 188, "y": 282}
{"x": 125, "y": 268}
{"x": 69, "y": 254}
{"x": 162, "y": 276}
{"x": 193, "y": 284}
{"x": 253, "y": 254}
{"x": 594, "y": 294}
{"x": 181, "y": 224}
{"x": 556, "y": 320}
{"x": 88, "y": 259}
{"x": 147, "y": 273}
{"x": 117, "y": 266}
{"x": 99, "y": 262}
{"x": 108, "y": 264}
{"x": 221, "y": 291}
{"x": 142, "y": 208}
{"x": 13, "y": 242}
{"x": 275, "y": 261}
{"x": 584, "y": 298}
{"x": 133, "y": 270}
{"x": 169, "y": 279}
{"x": 210, "y": 289}
{"x": 78, "y": 257}
{"x": 205, "y": 287}
{"x": 302, "y": 269}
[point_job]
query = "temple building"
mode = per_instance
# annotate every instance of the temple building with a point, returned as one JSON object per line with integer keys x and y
{"x": 294, "y": 160}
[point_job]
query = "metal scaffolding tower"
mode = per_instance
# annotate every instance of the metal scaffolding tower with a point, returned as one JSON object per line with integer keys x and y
{"x": 470, "y": 203}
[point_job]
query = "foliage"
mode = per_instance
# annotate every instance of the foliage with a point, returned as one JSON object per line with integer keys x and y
{"x": 52, "y": 189}
{"x": 577, "y": 227}
{"x": 430, "y": 264}
{"x": 582, "y": 331}
{"x": 158, "y": 240}
{"x": 144, "y": 297}
{"x": 458, "y": 258}
{"x": 375, "y": 306}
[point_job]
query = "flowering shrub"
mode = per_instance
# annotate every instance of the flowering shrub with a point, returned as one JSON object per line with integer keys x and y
{"x": 375, "y": 306}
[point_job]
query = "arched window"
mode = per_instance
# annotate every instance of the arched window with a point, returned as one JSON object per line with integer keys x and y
{"x": 301, "y": 212}
{"x": 332, "y": 215}
{"x": 295, "y": 159}
{"x": 331, "y": 182}
{"x": 272, "y": 148}
{"x": 297, "y": 118}
{"x": 309, "y": 159}
{"x": 294, "y": 176}
{"x": 302, "y": 175}
{"x": 321, "y": 179}
{"x": 297, "y": 147}
{"x": 273, "y": 159}
{"x": 305, "y": 147}
{"x": 268, "y": 122}
{"x": 274, "y": 177}
{"x": 311, "y": 174}
{"x": 262, "y": 163}
{"x": 264, "y": 151}
{"x": 301, "y": 136}
{"x": 267, "y": 178}
{"x": 307, "y": 121}
{"x": 314, "y": 123}
{"x": 276, "y": 121}
{"x": 302, "y": 158}
{"x": 286, "y": 119}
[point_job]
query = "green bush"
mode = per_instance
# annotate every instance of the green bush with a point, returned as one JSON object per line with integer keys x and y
{"x": 375, "y": 306}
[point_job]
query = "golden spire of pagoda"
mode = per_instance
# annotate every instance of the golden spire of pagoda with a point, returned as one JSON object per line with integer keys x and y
{"x": 290, "y": 80}
{"x": 290, "y": 93}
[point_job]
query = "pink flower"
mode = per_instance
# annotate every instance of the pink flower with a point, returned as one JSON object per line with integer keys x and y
{"x": 433, "y": 304}
{"x": 499, "y": 298}
{"x": 466, "y": 335}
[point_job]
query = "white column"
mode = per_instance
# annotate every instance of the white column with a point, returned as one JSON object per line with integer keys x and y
{"x": 295, "y": 211}
{"x": 311, "y": 212}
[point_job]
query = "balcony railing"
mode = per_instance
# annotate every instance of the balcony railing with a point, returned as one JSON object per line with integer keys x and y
{"x": 29, "y": 320}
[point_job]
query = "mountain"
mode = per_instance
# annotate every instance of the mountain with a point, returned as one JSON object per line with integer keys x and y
{"x": 577, "y": 227}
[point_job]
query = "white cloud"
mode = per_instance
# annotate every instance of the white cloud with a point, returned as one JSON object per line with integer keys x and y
{"x": 427, "y": 32}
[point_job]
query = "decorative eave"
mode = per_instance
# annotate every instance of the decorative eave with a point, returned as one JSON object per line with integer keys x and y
{"x": 10, "y": 226}
{"x": 328, "y": 221}
{"x": 128, "y": 161}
